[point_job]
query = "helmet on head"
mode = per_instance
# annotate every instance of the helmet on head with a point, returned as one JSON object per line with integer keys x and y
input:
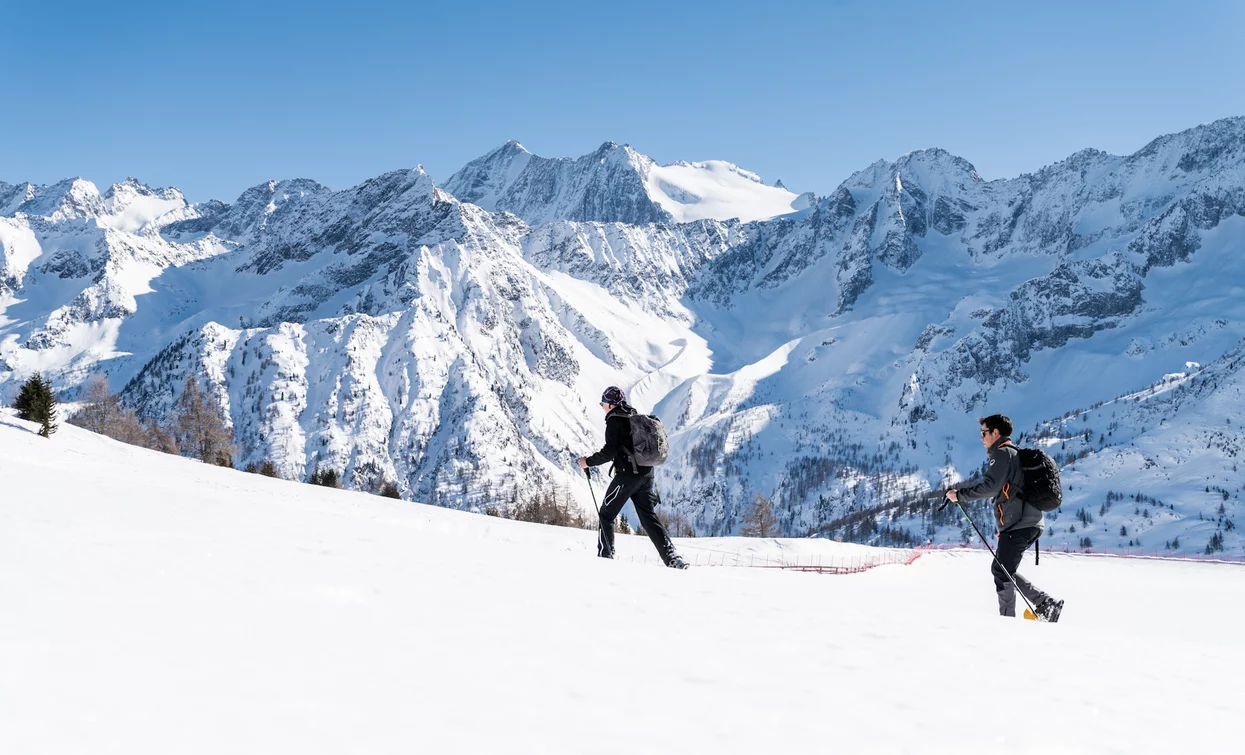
{"x": 613, "y": 395}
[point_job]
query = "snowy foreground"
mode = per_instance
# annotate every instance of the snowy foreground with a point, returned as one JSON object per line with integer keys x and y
{"x": 150, "y": 604}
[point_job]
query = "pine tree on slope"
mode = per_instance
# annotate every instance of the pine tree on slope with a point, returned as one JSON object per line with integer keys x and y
{"x": 36, "y": 403}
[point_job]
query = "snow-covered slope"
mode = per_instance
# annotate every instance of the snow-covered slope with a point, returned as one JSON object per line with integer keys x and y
{"x": 617, "y": 184}
{"x": 833, "y": 358}
{"x": 156, "y": 604}
{"x": 719, "y": 190}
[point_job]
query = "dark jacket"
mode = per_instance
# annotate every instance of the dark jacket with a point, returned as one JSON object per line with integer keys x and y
{"x": 618, "y": 446}
{"x": 1004, "y": 482}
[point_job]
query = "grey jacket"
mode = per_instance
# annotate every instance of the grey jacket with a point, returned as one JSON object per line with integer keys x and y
{"x": 1004, "y": 482}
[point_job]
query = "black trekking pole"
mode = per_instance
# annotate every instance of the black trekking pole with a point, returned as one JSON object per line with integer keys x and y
{"x": 994, "y": 555}
{"x": 588, "y": 474}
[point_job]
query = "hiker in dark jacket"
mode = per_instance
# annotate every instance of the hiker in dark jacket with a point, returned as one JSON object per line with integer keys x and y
{"x": 1018, "y": 524}
{"x": 630, "y": 482}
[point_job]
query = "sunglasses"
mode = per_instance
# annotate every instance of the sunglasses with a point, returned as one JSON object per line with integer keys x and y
{"x": 984, "y": 433}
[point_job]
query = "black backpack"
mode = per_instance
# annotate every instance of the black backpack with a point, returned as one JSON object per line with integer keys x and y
{"x": 1042, "y": 490}
{"x": 648, "y": 441}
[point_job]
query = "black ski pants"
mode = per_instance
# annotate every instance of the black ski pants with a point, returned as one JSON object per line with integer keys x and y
{"x": 641, "y": 490}
{"x": 1012, "y": 547}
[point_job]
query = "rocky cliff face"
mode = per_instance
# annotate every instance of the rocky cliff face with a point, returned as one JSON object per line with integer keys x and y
{"x": 605, "y": 186}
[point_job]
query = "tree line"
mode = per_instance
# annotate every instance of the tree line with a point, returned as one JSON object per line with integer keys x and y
{"x": 197, "y": 429}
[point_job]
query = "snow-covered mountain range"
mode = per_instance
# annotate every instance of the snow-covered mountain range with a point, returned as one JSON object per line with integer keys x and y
{"x": 829, "y": 352}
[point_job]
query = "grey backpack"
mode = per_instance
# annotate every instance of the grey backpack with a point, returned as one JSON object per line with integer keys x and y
{"x": 648, "y": 438}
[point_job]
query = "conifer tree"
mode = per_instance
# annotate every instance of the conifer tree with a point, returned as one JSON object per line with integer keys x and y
{"x": 390, "y": 490}
{"x": 36, "y": 403}
{"x": 44, "y": 410}
{"x": 25, "y": 401}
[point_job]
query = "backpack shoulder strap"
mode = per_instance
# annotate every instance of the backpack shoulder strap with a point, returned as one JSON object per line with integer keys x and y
{"x": 1014, "y": 447}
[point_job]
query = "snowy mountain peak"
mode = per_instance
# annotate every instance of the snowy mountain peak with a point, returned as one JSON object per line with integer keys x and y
{"x": 13, "y": 196}
{"x": 257, "y": 204}
{"x": 615, "y": 183}
{"x": 130, "y": 205}
{"x": 935, "y": 161}
{"x": 875, "y": 174}
{"x": 283, "y": 190}
{"x": 485, "y": 180}
{"x": 804, "y": 201}
{"x": 1198, "y": 149}
{"x": 623, "y": 157}
{"x": 64, "y": 200}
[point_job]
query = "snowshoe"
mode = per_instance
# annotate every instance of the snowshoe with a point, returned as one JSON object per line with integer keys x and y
{"x": 677, "y": 563}
{"x": 1050, "y": 609}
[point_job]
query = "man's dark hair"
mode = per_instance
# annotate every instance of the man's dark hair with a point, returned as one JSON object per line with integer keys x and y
{"x": 997, "y": 422}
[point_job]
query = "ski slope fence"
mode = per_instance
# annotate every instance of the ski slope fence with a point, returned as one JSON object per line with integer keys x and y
{"x": 855, "y": 563}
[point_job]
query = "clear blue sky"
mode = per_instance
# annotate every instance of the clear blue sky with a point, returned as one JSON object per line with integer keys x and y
{"x": 216, "y": 97}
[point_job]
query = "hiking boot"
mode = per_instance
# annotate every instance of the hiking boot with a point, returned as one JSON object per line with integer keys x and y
{"x": 677, "y": 563}
{"x": 1050, "y": 609}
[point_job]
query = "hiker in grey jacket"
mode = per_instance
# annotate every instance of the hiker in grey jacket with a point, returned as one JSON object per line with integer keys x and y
{"x": 1018, "y": 525}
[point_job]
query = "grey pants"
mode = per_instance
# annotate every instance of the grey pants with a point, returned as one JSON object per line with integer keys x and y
{"x": 1012, "y": 547}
